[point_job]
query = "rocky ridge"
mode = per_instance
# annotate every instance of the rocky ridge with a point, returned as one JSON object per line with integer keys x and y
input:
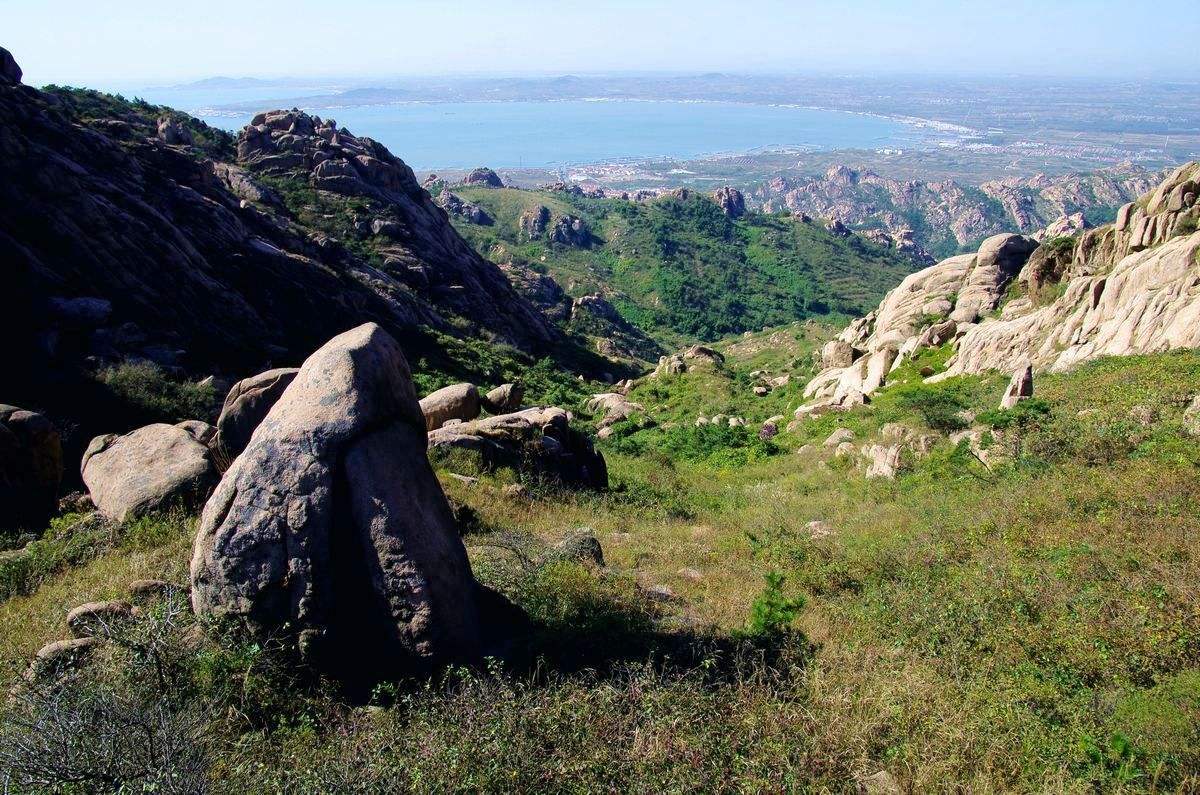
{"x": 1125, "y": 288}
{"x": 949, "y": 216}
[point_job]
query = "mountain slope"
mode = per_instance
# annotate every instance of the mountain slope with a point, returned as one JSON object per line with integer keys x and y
{"x": 678, "y": 266}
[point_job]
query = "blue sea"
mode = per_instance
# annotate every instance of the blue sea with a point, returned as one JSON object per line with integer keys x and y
{"x": 432, "y": 135}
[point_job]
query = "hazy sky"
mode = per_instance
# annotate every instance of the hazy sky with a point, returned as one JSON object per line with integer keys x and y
{"x": 86, "y": 42}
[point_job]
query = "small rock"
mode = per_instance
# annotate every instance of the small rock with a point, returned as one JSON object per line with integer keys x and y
{"x": 581, "y": 545}
{"x": 761, "y": 391}
{"x": 881, "y": 783}
{"x": 838, "y": 437}
{"x": 660, "y": 593}
{"x": 91, "y": 618}
{"x": 691, "y": 574}
{"x": 1019, "y": 388}
{"x": 55, "y": 658}
{"x": 515, "y": 491}
{"x": 143, "y": 591}
{"x": 1143, "y": 415}
{"x": 818, "y": 529}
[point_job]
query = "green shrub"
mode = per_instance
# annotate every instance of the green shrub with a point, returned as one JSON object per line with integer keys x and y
{"x": 772, "y": 613}
{"x": 938, "y": 404}
{"x": 147, "y": 390}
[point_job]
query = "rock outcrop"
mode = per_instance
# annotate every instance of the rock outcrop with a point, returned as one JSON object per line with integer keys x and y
{"x": 31, "y": 469}
{"x": 533, "y": 223}
{"x": 471, "y": 213}
{"x": 927, "y": 309}
{"x": 117, "y": 245}
{"x": 10, "y": 72}
{"x": 245, "y": 406}
{"x": 539, "y": 440}
{"x": 1124, "y": 288}
{"x": 1020, "y": 387}
{"x": 594, "y": 316}
{"x": 483, "y": 177}
{"x": 731, "y": 201}
{"x": 332, "y": 525}
{"x": 151, "y": 469}
{"x": 951, "y": 215}
{"x": 569, "y": 230}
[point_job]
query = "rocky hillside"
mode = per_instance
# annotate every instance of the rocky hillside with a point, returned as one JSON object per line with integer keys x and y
{"x": 946, "y": 217}
{"x": 1128, "y": 287}
{"x": 678, "y": 267}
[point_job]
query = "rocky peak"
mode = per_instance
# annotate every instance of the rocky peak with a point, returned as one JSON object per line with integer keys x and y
{"x": 483, "y": 177}
{"x": 731, "y": 201}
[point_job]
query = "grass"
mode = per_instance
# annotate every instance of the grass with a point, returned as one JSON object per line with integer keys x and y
{"x": 1035, "y": 627}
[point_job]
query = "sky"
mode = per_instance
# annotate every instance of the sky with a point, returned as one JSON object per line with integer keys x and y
{"x": 85, "y": 42}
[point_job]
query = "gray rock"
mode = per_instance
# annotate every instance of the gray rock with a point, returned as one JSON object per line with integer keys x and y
{"x": 247, "y": 403}
{"x": 331, "y": 524}
{"x": 484, "y": 177}
{"x": 172, "y": 132}
{"x": 144, "y": 591}
{"x": 56, "y": 658}
{"x": 153, "y": 468}
{"x": 30, "y": 469}
{"x": 838, "y": 436}
{"x": 454, "y": 402}
{"x": 539, "y": 440}
{"x": 201, "y": 431}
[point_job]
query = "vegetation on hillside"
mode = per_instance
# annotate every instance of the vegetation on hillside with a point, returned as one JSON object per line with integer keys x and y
{"x": 681, "y": 270}
{"x": 1032, "y": 625}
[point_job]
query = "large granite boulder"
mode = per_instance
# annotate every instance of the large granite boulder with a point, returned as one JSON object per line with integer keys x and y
{"x": 454, "y": 402}
{"x": 539, "y": 440}
{"x": 247, "y": 403}
{"x": 153, "y": 468}
{"x": 30, "y": 469}
{"x": 331, "y": 524}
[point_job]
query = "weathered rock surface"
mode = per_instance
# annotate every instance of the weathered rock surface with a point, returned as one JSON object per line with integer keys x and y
{"x": 455, "y": 402}
{"x": 1126, "y": 288}
{"x": 9, "y": 71}
{"x": 614, "y": 407}
{"x": 731, "y": 201}
{"x": 471, "y": 213}
{"x": 617, "y": 338}
{"x": 245, "y": 406}
{"x": 332, "y": 523}
{"x": 31, "y": 469}
{"x": 152, "y": 468}
{"x": 534, "y": 223}
{"x": 538, "y": 439}
{"x": 190, "y": 255}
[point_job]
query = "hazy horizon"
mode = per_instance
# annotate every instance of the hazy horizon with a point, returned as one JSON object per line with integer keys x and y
{"x": 82, "y": 44}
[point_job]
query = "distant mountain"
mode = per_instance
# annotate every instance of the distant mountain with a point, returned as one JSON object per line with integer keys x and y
{"x": 947, "y": 217}
{"x": 225, "y": 82}
{"x": 340, "y": 99}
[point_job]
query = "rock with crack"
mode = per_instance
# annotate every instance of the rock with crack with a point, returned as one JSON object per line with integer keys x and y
{"x": 151, "y": 469}
{"x": 332, "y": 527}
{"x": 538, "y": 440}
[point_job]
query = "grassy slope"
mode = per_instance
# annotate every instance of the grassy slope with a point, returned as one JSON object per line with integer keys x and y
{"x": 1032, "y": 628}
{"x": 681, "y": 270}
